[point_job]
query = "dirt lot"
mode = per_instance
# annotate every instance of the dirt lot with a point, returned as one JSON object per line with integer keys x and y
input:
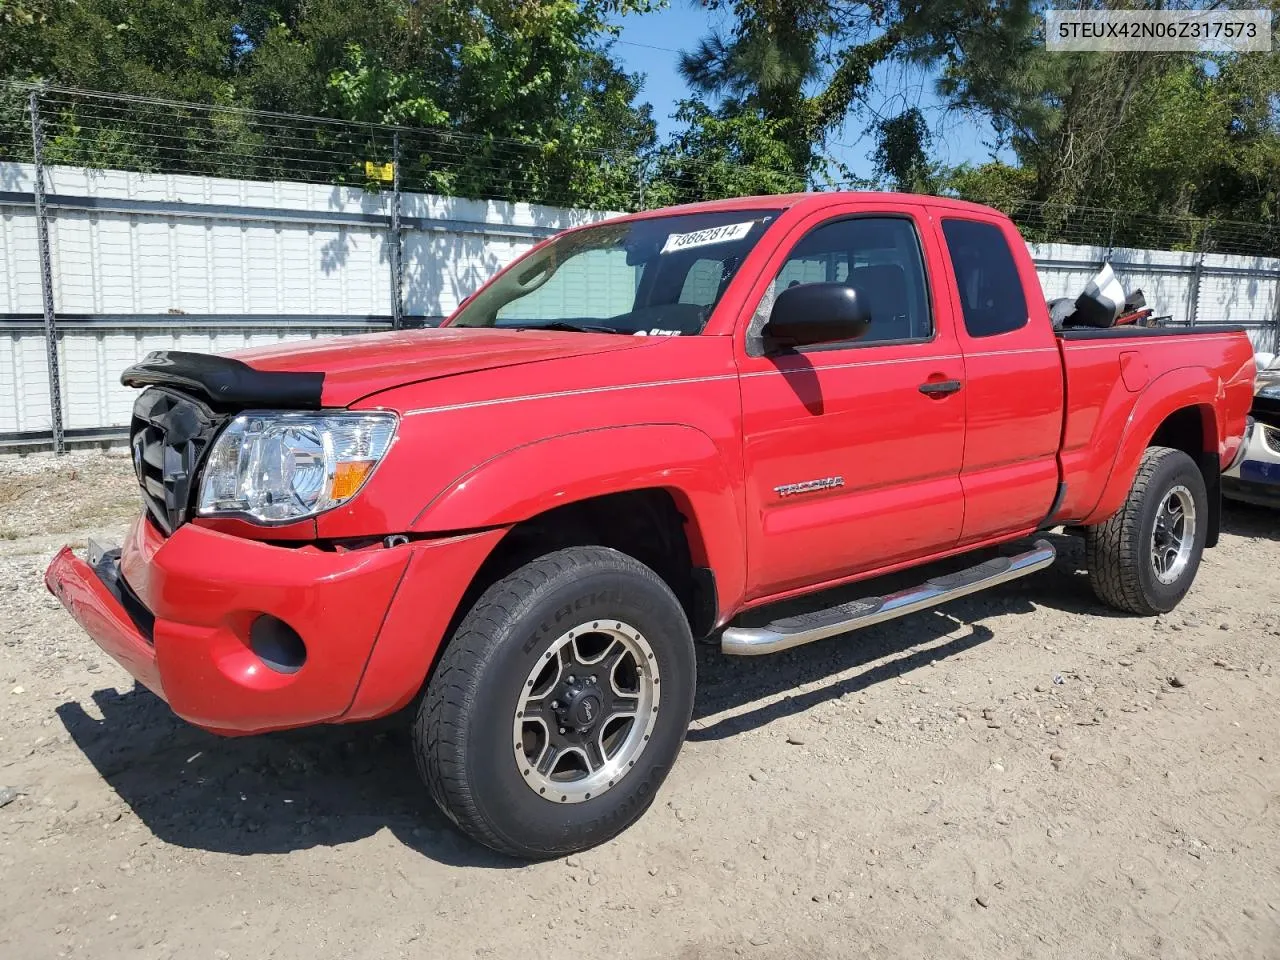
{"x": 1022, "y": 774}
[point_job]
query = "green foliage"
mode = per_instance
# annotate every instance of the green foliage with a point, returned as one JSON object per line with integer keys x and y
{"x": 780, "y": 80}
{"x": 523, "y": 100}
{"x": 179, "y": 49}
{"x": 806, "y": 66}
{"x": 731, "y": 152}
{"x": 506, "y": 98}
{"x": 995, "y": 184}
{"x": 1167, "y": 134}
{"x": 901, "y": 155}
{"x": 1207, "y": 141}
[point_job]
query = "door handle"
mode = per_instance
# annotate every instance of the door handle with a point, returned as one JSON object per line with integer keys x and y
{"x": 940, "y": 388}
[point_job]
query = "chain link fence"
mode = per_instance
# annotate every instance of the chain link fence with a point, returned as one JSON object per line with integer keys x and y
{"x": 391, "y": 186}
{"x": 111, "y": 131}
{"x": 88, "y": 129}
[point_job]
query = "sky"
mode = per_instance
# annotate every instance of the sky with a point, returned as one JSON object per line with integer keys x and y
{"x": 649, "y": 44}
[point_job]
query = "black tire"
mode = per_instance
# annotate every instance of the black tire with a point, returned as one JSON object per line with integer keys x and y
{"x": 462, "y": 735}
{"x": 1119, "y": 551}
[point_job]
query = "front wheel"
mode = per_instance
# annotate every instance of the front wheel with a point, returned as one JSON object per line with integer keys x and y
{"x": 1144, "y": 559}
{"x": 559, "y": 704}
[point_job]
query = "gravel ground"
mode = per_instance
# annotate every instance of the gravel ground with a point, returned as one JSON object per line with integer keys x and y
{"x": 1021, "y": 774}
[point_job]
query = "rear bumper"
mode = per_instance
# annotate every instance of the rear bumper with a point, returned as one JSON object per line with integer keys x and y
{"x": 371, "y": 621}
{"x": 1254, "y": 477}
{"x": 1245, "y": 491}
{"x": 1258, "y": 458}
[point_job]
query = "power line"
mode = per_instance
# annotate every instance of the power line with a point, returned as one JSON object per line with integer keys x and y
{"x": 647, "y": 46}
{"x": 155, "y": 136}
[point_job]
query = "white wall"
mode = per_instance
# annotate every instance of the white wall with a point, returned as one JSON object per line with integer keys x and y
{"x": 199, "y": 263}
{"x": 263, "y": 257}
{"x": 1240, "y": 290}
{"x": 274, "y": 265}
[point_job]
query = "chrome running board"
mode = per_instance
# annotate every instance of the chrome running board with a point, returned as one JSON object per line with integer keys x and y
{"x": 818, "y": 625}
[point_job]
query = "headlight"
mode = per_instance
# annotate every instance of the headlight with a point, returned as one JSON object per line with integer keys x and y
{"x": 1271, "y": 391}
{"x": 278, "y": 467}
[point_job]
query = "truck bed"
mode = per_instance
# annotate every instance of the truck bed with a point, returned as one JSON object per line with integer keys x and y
{"x": 1129, "y": 332}
{"x": 1123, "y": 383}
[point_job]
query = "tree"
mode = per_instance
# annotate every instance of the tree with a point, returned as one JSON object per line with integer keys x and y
{"x": 1174, "y": 133}
{"x": 726, "y": 153}
{"x": 793, "y": 67}
{"x": 508, "y": 98}
{"x": 902, "y": 152}
{"x": 177, "y": 49}
{"x": 804, "y": 67}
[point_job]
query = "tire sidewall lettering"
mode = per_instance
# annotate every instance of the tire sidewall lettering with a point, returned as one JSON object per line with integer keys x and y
{"x": 636, "y": 802}
{"x": 558, "y": 622}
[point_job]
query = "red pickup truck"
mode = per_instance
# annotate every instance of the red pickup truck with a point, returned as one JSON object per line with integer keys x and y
{"x": 642, "y": 432}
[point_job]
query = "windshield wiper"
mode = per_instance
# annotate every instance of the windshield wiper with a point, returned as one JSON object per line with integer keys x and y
{"x": 567, "y": 325}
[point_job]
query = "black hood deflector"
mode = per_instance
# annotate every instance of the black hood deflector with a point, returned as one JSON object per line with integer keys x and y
{"x": 225, "y": 383}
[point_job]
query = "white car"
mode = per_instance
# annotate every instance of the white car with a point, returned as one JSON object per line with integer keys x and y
{"x": 1255, "y": 475}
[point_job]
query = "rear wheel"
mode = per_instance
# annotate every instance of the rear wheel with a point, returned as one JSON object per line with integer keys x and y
{"x": 559, "y": 705}
{"x": 1144, "y": 559}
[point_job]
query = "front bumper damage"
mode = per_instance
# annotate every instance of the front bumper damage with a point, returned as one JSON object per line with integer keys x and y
{"x": 179, "y": 614}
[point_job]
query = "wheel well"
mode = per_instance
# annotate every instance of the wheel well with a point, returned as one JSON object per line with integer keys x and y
{"x": 1193, "y": 430}
{"x": 1184, "y": 430}
{"x": 645, "y": 524}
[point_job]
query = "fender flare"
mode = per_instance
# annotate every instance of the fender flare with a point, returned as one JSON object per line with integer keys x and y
{"x": 1175, "y": 390}
{"x": 528, "y": 480}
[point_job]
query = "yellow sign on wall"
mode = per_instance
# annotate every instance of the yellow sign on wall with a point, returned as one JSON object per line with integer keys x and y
{"x": 385, "y": 172}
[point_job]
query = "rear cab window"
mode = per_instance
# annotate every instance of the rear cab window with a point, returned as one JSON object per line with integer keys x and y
{"x": 986, "y": 275}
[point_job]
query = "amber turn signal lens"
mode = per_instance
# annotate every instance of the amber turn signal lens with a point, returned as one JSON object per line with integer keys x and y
{"x": 348, "y": 477}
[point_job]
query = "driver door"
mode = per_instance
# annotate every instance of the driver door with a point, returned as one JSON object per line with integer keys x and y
{"x": 850, "y": 465}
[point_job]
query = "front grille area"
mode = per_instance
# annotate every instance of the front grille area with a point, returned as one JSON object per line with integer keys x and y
{"x": 169, "y": 437}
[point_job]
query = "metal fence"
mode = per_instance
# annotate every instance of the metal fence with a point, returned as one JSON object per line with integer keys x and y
{"x": 140, "y": 262}
{"x": 128, "y": 225}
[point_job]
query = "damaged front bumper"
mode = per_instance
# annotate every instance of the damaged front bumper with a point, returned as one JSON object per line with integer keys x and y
{"x": 198, "y": 618}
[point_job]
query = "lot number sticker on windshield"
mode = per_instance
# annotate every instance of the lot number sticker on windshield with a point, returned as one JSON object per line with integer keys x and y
{"x": 702, "y": 238}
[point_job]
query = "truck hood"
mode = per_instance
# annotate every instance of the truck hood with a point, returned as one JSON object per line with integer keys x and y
{"x": 357, "y": 366}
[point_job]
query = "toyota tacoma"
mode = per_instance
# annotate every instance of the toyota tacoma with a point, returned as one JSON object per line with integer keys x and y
{"x": 641, "y": 433}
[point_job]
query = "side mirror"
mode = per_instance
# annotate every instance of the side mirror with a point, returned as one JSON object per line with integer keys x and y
{"x": 812, "y": 313}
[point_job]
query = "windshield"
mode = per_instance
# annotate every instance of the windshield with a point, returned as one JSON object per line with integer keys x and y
{"x": 660, "y": 277}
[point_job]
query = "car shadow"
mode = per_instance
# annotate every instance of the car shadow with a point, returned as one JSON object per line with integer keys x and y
{"x": 329, "y": 785}
{"x": 725, "y": 684}
{"x": 272, "y": 793}
{"x": 728, "y": 683}
{"x": 1065, "y": 585}
{"x": 1248, "y": 520}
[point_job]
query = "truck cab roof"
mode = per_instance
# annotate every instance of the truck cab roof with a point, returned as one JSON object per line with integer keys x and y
{"x": 817, "y": 199}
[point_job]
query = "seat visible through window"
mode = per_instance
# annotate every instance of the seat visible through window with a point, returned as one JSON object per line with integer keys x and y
{"x": 883, "y": 288}
{"x": 880, "y": 257}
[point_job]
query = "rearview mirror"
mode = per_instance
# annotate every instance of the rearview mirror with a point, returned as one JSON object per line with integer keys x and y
{"x": 641, "y": 250}
{"x": 813, "y": 313}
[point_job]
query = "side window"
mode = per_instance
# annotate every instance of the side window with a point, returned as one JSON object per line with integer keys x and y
{"x": 991, "y": 293}
{"x": 810, "y": 269}
{"x": 880, "y": 256}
